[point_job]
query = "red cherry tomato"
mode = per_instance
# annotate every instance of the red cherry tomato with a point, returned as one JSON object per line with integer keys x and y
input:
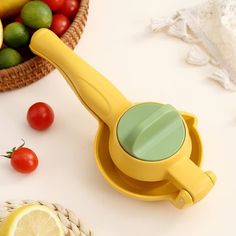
{"x": 19, "y": 19}
{"x": 60, "y": 24}
{"x": 24, "y": 160}
{"x": 54, "y": 4}
{"x": 69, "y": 8}
{"x": 40, "y": 116}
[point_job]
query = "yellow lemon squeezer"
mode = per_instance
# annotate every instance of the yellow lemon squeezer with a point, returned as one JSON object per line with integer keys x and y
{"x": 148, "y": 151}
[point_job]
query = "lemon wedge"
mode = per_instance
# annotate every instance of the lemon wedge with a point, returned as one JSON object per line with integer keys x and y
{"x": 1, "y": 33}
{"x": 32, "y": 220}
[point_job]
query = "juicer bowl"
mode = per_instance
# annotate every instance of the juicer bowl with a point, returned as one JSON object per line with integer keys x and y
{"x": 143, "y": 190}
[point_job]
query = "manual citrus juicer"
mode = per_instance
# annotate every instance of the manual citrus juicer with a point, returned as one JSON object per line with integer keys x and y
{"x": 148, "y": 151}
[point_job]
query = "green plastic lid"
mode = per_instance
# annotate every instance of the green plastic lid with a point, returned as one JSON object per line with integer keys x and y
{"x": 151, "y": 131}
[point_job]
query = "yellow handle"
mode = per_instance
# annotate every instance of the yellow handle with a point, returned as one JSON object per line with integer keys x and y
{"x": 187, "y": 176}
{"x": 95, "y": 91}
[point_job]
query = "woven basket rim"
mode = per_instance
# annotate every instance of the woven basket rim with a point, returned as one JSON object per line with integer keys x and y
{"x": 9, "y": 76}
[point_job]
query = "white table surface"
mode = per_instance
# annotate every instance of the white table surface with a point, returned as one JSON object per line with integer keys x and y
{"x": 146, "y": 67}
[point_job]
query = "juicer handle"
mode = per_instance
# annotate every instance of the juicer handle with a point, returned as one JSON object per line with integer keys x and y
{"x": 95, "y": 91}
{"x": 192, "y": 182}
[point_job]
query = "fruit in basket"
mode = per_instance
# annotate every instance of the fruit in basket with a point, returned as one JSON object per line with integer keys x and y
{"x": 18, "y": 19}
{"x": 26, "y": 16}
{"x": 9, "y": 57}
{"x": 16, "y": 35}
{"x": 33, "y": 220}
{"x": 36, "y": 14}
{"x": 1, "y": 33}
{"x": 11, "y": 7}
{"x": 60, "y": 24}
{"x": 54, "y": 4}
{"x": 69, "y": 8}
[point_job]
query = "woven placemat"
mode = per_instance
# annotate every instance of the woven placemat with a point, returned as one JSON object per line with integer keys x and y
{"x": 36, "y": 68}
{"x": 72, "y": 226}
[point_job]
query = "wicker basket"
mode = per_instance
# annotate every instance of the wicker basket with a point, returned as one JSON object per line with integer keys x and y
{"x": 36, "y": 68}
{"x": 69, "y": 220}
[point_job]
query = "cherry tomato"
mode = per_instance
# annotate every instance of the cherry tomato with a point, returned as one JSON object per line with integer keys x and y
{"x": 54, "y": 4}
{"x": 18, "y": 19}
{"x": 69, "y": 8}
{"x": 60, "y": 24}
{"x": 40, "y": 116}
{"x": 24, "y": 160}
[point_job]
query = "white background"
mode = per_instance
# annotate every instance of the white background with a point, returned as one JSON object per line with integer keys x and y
{"x": 146, "y": 67}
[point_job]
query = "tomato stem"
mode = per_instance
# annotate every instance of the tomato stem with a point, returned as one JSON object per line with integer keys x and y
{"x": 7, "y": 156}
{"x": 22, "y": 145}
{"x": 9, "y": 153}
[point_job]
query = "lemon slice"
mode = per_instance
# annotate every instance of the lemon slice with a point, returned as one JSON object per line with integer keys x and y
{"x": 1, "y": 34}
{"x": 32, "y": 220}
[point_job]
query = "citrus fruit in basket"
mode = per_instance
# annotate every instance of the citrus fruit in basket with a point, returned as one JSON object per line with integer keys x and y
{"x": 33, "y": 220}
{"x": 36, "y": 15}
{"x": 11, "y": 7}
{"x": 9, "y": 57}
{"x": 16, "y": 35}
